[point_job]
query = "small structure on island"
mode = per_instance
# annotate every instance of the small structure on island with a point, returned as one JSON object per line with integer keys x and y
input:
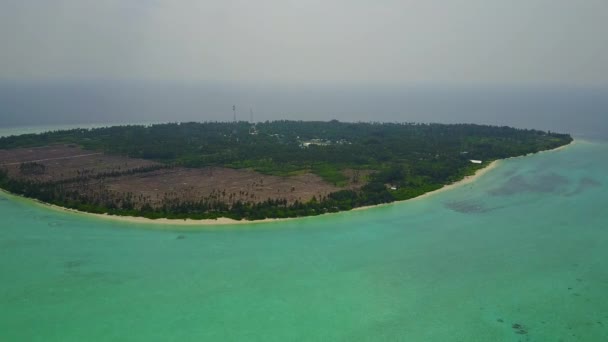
{"x": 317, "y": 142}
{"x": 476, "y": 161}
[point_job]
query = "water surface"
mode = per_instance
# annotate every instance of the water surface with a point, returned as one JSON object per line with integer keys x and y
{"x": 519, "y": 255}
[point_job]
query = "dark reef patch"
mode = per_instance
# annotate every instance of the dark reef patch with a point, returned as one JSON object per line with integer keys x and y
{"x": 512, "y": 186}
{"x": 543, "y": 183}
{"x": 549, "y": 183}
{"x": 72, "y": 264}
{"x": 467, "y": 207}
{"x": 519, "y": 329}
{"x": 585, "y": 184}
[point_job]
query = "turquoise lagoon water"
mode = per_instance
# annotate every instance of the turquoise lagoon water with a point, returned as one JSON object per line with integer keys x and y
{"x": 519, "y": 255}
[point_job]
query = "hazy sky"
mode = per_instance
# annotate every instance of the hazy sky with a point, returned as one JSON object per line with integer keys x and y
{"x": 362, "y": 41}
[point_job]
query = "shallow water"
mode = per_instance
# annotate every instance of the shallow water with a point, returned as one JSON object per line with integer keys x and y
{"x": 519, "y": 255}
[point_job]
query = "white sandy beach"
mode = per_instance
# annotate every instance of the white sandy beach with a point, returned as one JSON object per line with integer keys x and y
{"x": 227, "y": 221}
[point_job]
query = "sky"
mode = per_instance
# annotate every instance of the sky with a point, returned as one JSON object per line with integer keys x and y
{"x": 471, "y": 42}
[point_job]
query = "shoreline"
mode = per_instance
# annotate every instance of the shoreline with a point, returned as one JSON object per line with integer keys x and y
{"x": 466, "y": 180}
{"x": 224, "y": 221}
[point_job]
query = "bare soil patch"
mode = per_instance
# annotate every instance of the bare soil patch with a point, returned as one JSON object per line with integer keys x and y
{"x": 100, "y": 178}
{"x": 66, "y": 162}
{"x": 227, "y": 185}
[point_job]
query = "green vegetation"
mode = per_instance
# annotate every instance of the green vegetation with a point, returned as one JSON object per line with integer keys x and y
{"x": 409, "y": 158}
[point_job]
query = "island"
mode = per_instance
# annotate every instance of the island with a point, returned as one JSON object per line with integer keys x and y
{"x": 252, "y": 171}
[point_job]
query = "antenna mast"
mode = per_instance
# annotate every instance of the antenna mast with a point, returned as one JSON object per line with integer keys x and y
{"x": 234, "y": 112}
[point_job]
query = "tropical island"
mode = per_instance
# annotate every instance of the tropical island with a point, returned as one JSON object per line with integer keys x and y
{"x": 252, "y": 171}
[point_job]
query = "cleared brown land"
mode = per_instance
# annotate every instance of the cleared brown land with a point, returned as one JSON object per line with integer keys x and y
{"x": 89, "y": 172}
{"x": 227, "y": 185}
{"x": 20, "y": 155}
{"x": 65, "y": 162}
